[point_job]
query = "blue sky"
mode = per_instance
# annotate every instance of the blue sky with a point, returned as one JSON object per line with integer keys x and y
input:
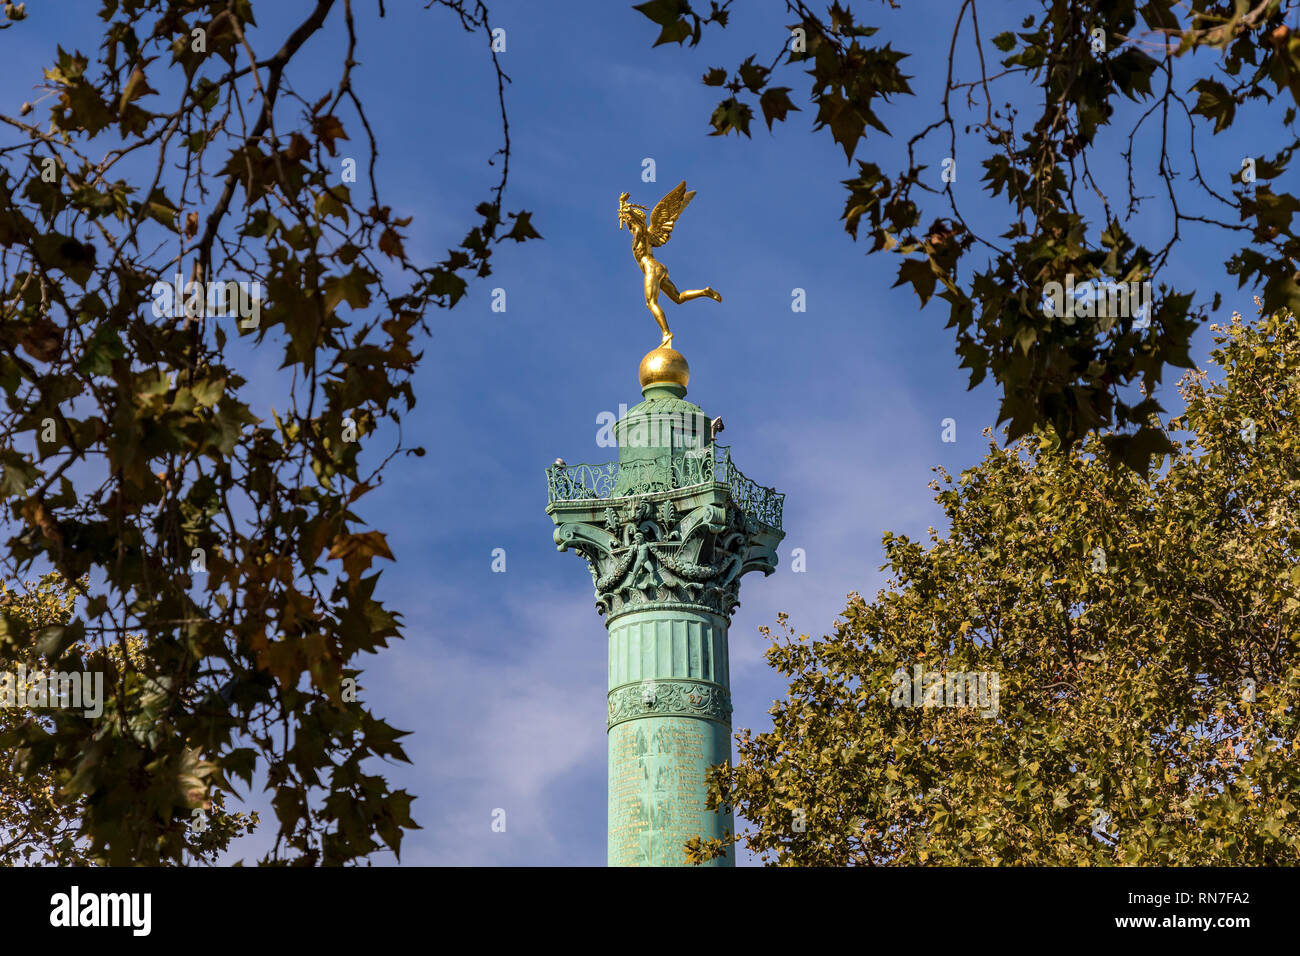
{"x": 501, "y": 678}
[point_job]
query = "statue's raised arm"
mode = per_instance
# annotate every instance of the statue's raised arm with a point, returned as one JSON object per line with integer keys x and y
{"x": 656, "y": 232}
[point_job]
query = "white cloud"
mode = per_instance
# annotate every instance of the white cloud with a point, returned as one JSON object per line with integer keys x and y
{"x": 508, "y": 709}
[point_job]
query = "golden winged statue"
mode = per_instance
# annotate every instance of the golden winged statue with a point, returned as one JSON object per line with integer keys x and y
{"x": 646, "y": 235}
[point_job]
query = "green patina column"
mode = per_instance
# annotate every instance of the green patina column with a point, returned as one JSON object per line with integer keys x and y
{"x": 667, "y": 532}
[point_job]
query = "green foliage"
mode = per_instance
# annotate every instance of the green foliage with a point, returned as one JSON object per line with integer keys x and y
{"x": 34, "y": 827}
{"x": 1149, "y": 704}
{"x": 231, "y": 546}
{"x": 38, "y": 825}
{"x": 1074, "y": 378}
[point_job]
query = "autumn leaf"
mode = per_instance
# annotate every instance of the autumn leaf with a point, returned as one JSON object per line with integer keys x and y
{"x": 328, "y": 129}
{"x": 357, "y": 551}
{"x": 390, "y": 244}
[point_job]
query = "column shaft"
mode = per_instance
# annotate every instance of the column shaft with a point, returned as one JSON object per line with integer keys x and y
{"x": 669, "y": 720}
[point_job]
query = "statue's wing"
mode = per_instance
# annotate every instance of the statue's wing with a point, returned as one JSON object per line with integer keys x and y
{"x": 666, "y": 213}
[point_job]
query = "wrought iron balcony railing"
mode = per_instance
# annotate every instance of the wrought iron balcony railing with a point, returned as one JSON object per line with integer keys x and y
{"x": 708, "y": 465}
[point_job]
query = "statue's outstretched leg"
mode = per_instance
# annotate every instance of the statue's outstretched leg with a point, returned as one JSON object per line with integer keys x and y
{"x": 670, "y": 290}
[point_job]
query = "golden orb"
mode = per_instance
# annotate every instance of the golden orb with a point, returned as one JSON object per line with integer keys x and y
{"x": 664, "y": 366}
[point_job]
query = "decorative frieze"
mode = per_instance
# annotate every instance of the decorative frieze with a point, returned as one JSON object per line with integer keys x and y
{"x": 669, "y": 698}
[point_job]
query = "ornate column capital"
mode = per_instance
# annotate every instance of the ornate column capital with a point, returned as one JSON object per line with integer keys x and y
{"x": 680, "y": 546}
